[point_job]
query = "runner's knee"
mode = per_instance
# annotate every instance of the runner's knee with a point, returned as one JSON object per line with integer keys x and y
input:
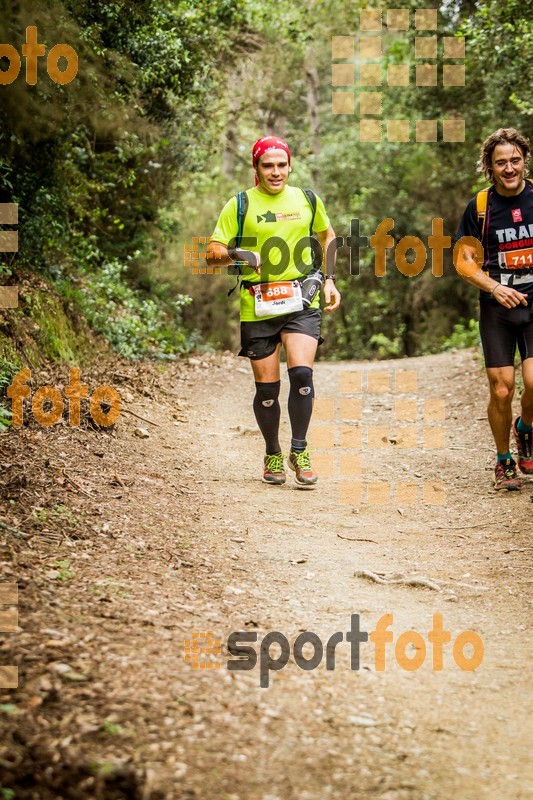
{"x": 266, "y": 394}
{"x": 501, "y": 392}
{"x": 301, "y": 380}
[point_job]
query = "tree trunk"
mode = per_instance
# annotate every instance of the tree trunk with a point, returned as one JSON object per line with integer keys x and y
{"x": 230, "y": 150}
{"x": 313, "y": 99}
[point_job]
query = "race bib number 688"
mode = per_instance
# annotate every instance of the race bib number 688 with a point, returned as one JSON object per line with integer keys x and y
{"x": 281, "y": 297}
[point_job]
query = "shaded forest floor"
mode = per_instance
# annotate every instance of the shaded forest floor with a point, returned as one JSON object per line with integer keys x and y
{"x": 124, "y": 548}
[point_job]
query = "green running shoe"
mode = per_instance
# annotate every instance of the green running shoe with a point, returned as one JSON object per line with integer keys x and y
{"x": 301, "y": 464}
{"x": 273, "y": 469}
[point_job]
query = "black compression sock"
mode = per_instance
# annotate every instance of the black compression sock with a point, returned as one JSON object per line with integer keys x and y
{"x": 300, "y": 400}
{"x": 267, "y": 413}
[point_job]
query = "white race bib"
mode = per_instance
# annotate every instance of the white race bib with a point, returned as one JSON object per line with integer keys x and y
{"x": 281, "y": 297}
{"x": 516, "y": 259}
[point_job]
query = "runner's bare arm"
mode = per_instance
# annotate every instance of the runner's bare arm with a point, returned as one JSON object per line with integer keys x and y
{"x": 468, "y": 267}
{"x": 331, "y": 293}
{"x": 218, "y": 255}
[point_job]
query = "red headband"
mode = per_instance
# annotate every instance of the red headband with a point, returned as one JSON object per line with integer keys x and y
{"x": 269, "y": 143}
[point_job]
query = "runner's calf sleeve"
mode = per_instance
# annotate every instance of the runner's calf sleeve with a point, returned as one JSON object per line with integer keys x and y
{"x": 267, "y": 413}
{"x": 301, "y": 396}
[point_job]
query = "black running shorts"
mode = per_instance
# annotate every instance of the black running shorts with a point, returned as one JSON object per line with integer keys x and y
{"x": 260, "y": 339}
{"x": 502, "y": 329}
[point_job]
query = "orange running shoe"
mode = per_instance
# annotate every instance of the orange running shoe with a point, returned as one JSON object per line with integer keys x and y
{"x": 506, "y": 476}
{"x": 523, "y": 445}
{"x": 301, "y": 464}
{"x": 273, "y": 469}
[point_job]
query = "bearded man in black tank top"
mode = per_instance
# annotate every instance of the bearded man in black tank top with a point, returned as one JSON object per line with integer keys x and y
{"x": 504, "y": 277}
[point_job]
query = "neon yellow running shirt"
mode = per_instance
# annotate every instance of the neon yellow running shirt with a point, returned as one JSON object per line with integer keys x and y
{"x": 287, "y": 216}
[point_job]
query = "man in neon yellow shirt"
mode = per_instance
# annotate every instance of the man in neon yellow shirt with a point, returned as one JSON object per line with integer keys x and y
{"x": 279, "y": 297}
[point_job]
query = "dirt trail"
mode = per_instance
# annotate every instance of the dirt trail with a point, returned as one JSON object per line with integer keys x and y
{"x": 179, "y": 536}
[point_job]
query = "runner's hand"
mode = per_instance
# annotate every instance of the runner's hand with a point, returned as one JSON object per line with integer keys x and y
{"x": 250, "y": 256}
{"x": 509, "y": 297}
{"x": 332, "y": 296}
{"x": 258, "y": 263}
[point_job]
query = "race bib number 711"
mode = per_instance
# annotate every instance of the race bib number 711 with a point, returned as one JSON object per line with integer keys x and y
{"x": 516, "y": 259}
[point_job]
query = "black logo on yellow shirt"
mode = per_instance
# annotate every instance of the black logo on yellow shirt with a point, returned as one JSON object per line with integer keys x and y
{"x": 279, "y": 217}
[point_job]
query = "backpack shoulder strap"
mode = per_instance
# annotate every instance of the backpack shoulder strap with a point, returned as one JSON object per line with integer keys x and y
{"x": 481, "y": 208}
{"x": 311, "y": 199}
{"x": 242, "y": 210}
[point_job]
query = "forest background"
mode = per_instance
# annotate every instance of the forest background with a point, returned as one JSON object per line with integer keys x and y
{"x": 116, "y": 172}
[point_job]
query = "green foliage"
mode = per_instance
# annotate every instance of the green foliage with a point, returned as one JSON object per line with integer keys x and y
{"x": 93, "y": 165}
{"x": 54, "y": 331}
{"x": 133, "y": 323}
{"x": 107, "y": 586}
{"x": 5, "y": 418}
{"x": 465, "y": 334}
{"x": 500, "y": 62}
{"x": 102, "y": 768}
{"x": 7, "y": 370}
{"x": 112, "y": 728}
{"x": 63, "y": 571}
{"x": 58, "y": 514}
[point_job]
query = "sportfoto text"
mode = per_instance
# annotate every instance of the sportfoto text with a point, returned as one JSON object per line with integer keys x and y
{"x": 245, "y": 657}
{"x": 31, "y": 51}
{"x": 380, "y": 242}
{"x": 51, "y": 397}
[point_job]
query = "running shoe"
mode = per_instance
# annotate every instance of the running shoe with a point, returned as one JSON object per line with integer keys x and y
{"x": 523, "y": 445}
{"x": 506, "y": 476}
{"x": 301, "y": 464}
{"x": 273, "y": 469}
